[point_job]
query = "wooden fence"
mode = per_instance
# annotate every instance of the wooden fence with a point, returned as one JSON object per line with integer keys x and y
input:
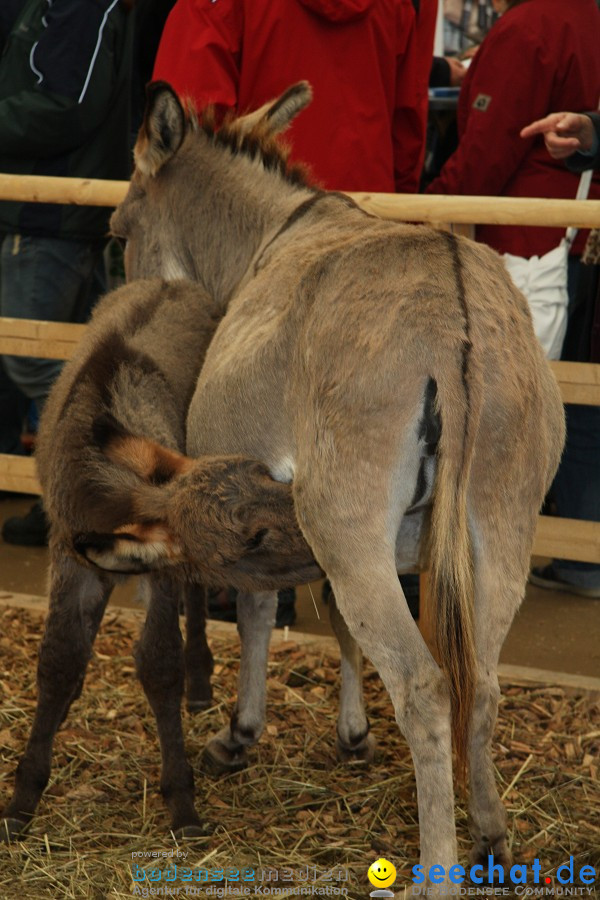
{"x": 579, "y": 383}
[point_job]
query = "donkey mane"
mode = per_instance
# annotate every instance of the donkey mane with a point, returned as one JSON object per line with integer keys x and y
{"x": 257, "y": 143}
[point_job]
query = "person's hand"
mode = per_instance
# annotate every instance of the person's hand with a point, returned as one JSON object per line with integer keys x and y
{"x": 471, "y": 51}
{"x": 564, "y": 133}
{"x": 457, "y": 71}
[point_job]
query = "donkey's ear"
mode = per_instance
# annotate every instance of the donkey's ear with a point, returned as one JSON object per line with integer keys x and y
{"x": 278, "y": 114}
{"x": 162, "y": 131}
{"x": 283, "y": 110}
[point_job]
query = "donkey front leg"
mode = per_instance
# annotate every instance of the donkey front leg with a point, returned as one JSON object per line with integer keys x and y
{"x": 198, "y": 658}
{"x": 161, "y": 670}
{"x": 354, "y": 742}
{"x": 226, "y": 752}
{"x": 78, "y": 598}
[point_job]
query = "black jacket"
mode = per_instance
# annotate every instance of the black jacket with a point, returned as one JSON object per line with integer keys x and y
{"x": 580, "y": 163}
{"x": 65, "y": 92}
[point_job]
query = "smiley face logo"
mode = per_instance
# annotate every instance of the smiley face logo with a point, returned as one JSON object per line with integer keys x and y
{"x": 382, "y": 873}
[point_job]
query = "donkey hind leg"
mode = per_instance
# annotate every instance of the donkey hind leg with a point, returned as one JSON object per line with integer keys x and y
{"x": 78, "y": 598}
{"x": 353, "y": 539}
{"x": 197, "y": 655}
{"x": 161, "y": 670}
{"x": 354, "y": 742}
{"x": 499, "y": 588}
{"x": 373, "y": 605}
{"x": 226, "y": 752}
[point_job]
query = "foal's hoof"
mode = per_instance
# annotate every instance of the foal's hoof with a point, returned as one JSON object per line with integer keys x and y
{"x": 194, "y": 706}
{"x": 362, "y": 752}
{"x": 11, "y": 830}
{"x": 220, "y": 759}
{"x": 191, "y": 832}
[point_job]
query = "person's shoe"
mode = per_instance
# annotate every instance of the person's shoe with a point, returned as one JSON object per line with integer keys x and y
{"x": 30, "y": 530}
{"x": 546, "y": 577}
{"x": 286, "y": 608}
{"x": 222, "y": 604}
{"x": 409, "y": 583}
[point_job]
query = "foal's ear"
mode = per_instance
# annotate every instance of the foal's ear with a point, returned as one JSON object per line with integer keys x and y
{"x": 278, "y": 114}
{"x": 162, "y": 131}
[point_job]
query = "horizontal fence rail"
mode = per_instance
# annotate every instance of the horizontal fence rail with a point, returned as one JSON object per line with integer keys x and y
{"x": 579, "y": 382}
{"x": 408, "y": 207}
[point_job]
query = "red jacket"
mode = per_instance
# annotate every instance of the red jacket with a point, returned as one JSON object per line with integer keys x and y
{"x": 542, "y": 56}
{"x": 366, "y": 125}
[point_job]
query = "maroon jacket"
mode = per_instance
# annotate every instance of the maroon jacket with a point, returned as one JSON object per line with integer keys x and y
{"x": 542, "y": 56}
{"x": 369, "y": 69}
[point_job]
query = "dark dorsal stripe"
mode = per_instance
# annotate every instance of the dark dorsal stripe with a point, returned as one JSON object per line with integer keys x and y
{"x": 467, "y": 344}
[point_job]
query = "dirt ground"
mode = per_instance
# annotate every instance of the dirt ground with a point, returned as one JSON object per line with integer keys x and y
{"x": 294, "y": 809}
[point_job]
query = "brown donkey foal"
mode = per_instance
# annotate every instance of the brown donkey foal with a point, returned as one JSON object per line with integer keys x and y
{"x": 222, "y": 520}
{"x": 392, "y": 373}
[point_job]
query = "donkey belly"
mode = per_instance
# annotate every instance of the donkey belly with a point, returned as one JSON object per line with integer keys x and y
{"x": 241, "y": 417}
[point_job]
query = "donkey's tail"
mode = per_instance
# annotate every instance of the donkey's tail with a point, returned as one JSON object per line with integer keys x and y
{"x": 459, "y": 401}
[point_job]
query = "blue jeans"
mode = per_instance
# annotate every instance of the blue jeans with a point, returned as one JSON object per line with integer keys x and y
{"x": 52, "y": 279}
{"x": 13, "y": 409}
{"x": 576, "y": 488}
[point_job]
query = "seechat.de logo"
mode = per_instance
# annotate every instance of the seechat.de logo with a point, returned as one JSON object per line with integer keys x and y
{"x": 495, "y": 874}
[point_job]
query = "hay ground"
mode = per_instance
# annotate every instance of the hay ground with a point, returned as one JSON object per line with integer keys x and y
{"x": 294, "y": 806}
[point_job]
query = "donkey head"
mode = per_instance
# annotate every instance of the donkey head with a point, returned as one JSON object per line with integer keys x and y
{"x": 166, "y": 123}
{"x": 186, "y": 171}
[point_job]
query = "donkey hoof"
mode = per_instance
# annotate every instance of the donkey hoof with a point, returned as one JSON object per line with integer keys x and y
{"x": 191, "y": 832}
{"x": 11, "y": 829}
{"x": 198, "y": 705}
{"x": 361, "y": 752}
{"x": 219, "y": 759}
{"x": 498, "y": 848}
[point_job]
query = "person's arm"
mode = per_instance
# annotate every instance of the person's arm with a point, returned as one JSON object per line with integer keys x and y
{"x": 501, "y": 97}
{"x": 446, "y": 71}
{"x": 439, "y": 75}
{"x": 574, "y": 137}
{"x": 200, "y": 52}
{"x": 580, "y": 162}
{"x": 72, "y": 77}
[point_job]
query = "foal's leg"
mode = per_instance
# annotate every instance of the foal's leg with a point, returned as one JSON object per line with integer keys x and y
{"x": 226, "y": 752}
{"x": 78, "y": 598}
{"x": 160, "y": 667}
{"x": 353, "y": 739}
{"x": 197, "y": 655}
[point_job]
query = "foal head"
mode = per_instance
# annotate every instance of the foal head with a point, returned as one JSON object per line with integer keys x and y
{"x": 223, "y": 517}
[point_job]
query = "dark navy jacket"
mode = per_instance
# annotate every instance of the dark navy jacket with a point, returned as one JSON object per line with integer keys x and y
{"x": 580, "y": 163}
{"x": 65, "y": 92}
